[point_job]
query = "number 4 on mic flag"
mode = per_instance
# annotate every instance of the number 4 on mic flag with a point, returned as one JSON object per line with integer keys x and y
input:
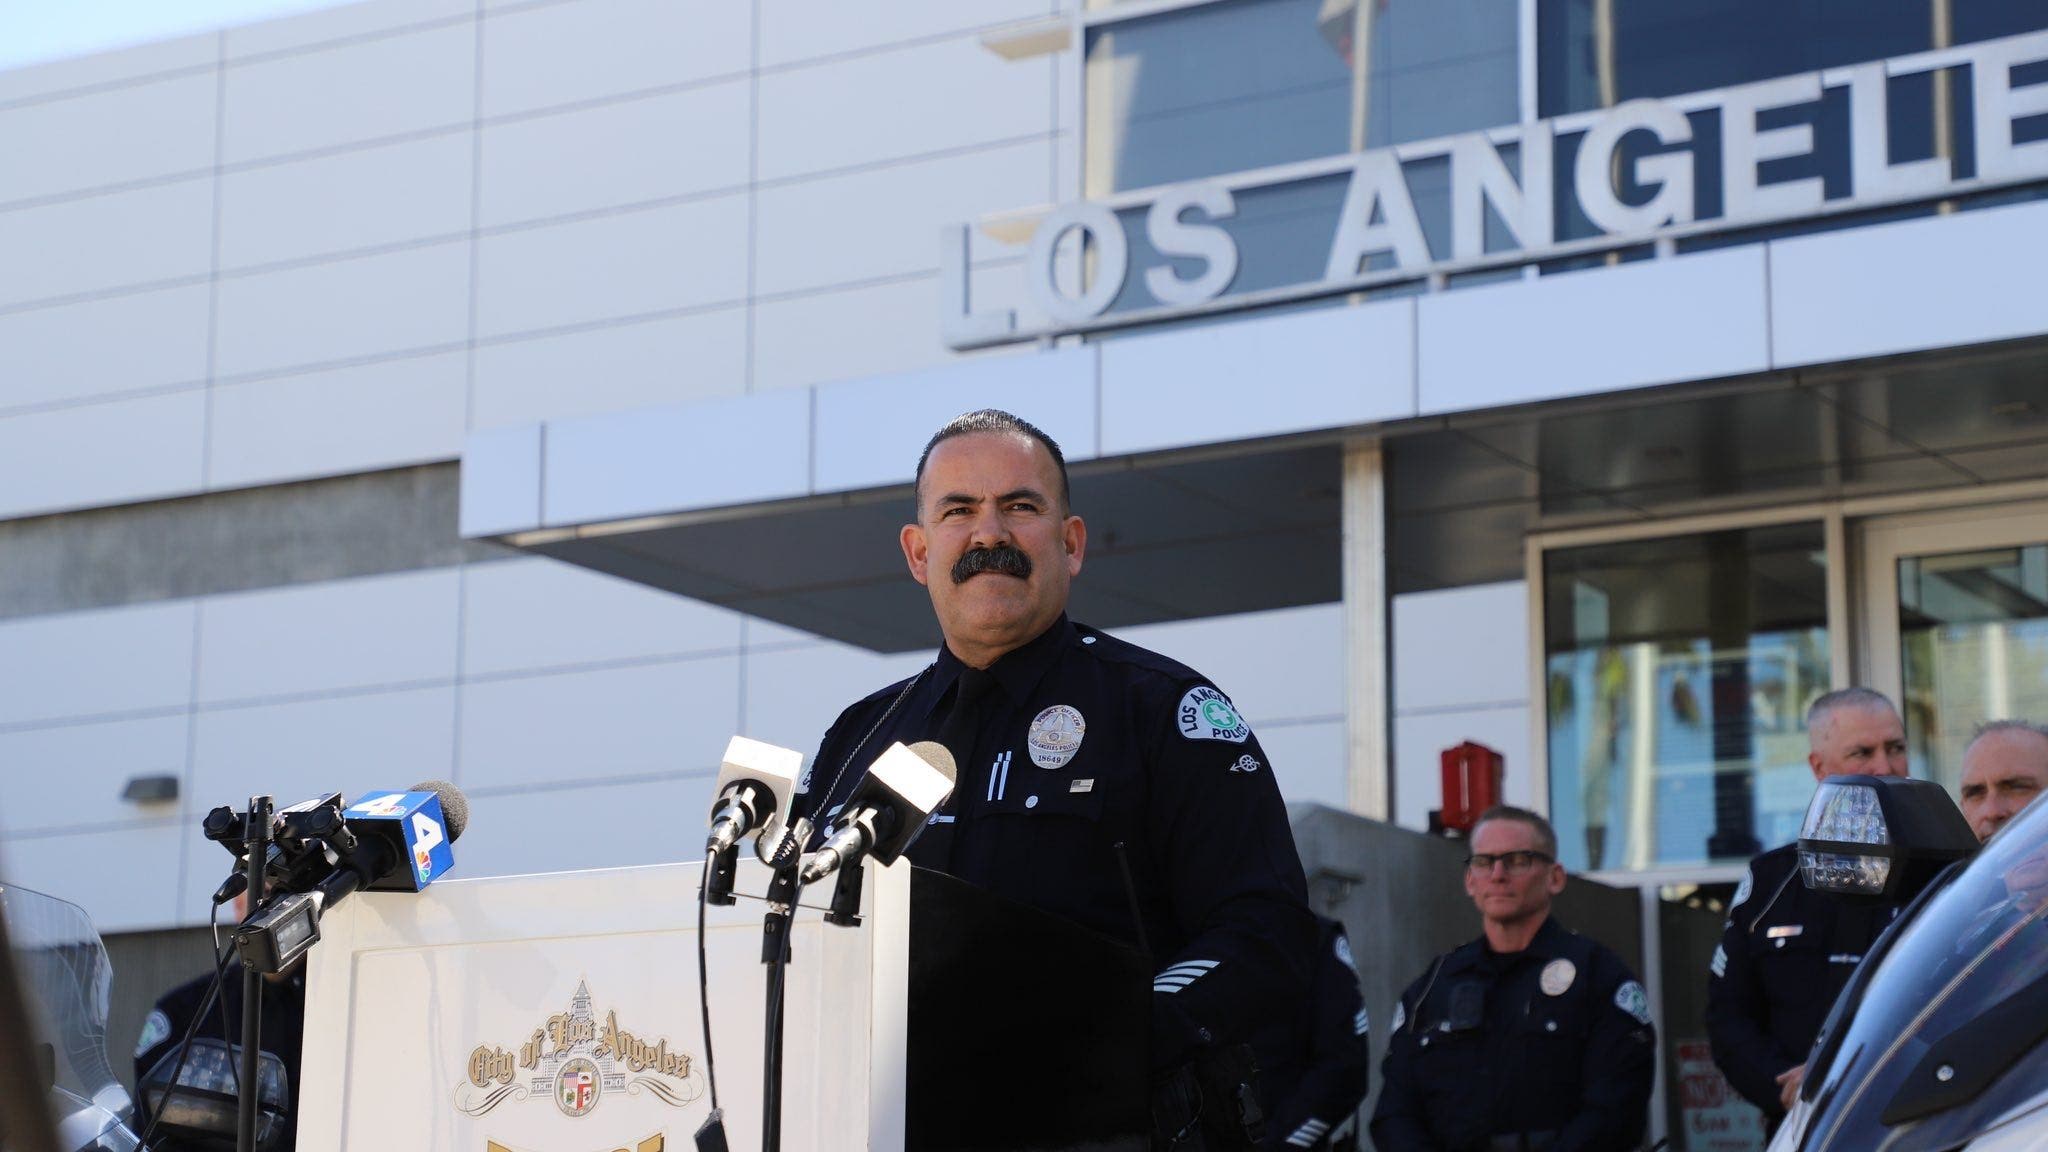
{"x": 417, "y": 818}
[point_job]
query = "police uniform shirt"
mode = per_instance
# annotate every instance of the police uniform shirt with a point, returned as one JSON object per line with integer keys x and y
{"x": 1785, "y": 954}
{"x": 1553, "y": 1043}
{"x": 284, "y": 1022}
{"x": 1322, "y": 1112}
{"x": 1092, "y": 756}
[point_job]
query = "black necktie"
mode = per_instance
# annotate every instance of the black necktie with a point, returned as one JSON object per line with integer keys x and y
{"x": 957, "y": 732}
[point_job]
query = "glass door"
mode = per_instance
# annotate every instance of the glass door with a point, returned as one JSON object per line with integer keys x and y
{"x": 1955, "y": 622}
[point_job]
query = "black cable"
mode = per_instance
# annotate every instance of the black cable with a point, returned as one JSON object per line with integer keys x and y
{"x": 704, "y": 985}
{"x": 234, "y": 1066}
{"x": 220, "y": 968}
{"x": 771, "y": 1048}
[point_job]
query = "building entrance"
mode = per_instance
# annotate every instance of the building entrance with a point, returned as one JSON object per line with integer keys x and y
{"x": 1955, "y": 623}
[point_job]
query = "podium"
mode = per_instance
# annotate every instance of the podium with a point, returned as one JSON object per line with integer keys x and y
{"x": 560, "y": 1013}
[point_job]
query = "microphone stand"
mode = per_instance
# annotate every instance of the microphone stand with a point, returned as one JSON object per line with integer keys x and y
{"x": 257, "y": 846}
{"x": 775, "y": 928}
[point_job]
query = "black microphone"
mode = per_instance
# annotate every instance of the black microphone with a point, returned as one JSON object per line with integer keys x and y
{"x": 388, "y": 841}
{"x": 888, "y": 810}
{"x": 755, "y": 784}
{"x": 297, "y": 856}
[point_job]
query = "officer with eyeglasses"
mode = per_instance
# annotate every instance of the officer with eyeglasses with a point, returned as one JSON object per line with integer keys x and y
{"x": 1530, "y": 1038}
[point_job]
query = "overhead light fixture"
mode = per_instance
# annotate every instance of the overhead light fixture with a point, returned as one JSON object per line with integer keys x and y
{"x": 150, "y": 789}
{"x": 1030, "y": 38}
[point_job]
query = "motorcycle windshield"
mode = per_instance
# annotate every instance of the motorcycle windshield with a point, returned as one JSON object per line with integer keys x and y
{"x": 66, "y": 979}
{"x": 1947, "y": 1040}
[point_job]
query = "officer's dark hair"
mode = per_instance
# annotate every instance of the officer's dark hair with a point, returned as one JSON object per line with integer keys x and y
{"x": 1831, "y": 702}
{"x": 1546, "y": 836}
{"x": 993, "y": 420}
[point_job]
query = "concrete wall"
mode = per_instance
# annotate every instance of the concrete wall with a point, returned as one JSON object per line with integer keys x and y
{"x": 339, "y": 241}
{"x": 1461, "y": 672}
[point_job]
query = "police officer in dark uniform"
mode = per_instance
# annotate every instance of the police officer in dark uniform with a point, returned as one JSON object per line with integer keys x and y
{"x": 1531, "y": 1038}
{"x": 1786, "y": 952}
{"x": 1097, "y": 780}
{"x": 284, "y": 1023}
{"x": 1322, "y": 1114}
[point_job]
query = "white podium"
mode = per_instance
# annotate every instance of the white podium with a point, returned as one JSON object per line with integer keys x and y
{"x": 559, "y": 1013}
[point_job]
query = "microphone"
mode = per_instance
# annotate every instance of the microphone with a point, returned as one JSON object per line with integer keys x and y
{"x": 889, "y": 808}
{"x": 755, "y": 784}
{"x": 385, "y": 841}
{"x": 297, "y": 856}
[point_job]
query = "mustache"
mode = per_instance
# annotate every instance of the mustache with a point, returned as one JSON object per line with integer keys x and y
{"x": 1005, "y": 559}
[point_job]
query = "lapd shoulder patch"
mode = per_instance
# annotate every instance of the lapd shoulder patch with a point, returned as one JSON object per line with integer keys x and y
{"x": 1743, "y": 889}
{"x": 1206, "y": 714}
{"x": 156, "y": 1028}
{"x": 1631, "y": 998}
{"x": 1344, "y": 956}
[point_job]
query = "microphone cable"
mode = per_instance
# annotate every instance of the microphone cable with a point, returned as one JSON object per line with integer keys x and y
{"x": 213, "y": 997}
{"x": 221, "y": 1002}
{"x": 704, "y": 992}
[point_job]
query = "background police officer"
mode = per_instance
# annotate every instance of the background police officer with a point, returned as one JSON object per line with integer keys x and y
{"x": 1322, "y": 1113}
{"x": 1786, "y": 952}
{"x": 1531, "y": 1038}
{"x": 1097, "y": 780}
{"x": 2005, "y": 768}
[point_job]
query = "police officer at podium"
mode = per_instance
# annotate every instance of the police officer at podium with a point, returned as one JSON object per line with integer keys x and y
{"x": 1096, "y": 780}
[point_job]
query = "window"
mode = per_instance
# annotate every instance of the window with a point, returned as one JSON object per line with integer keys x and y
{"x": 1677, "y": 675}
{"x": 1237, "y": 85}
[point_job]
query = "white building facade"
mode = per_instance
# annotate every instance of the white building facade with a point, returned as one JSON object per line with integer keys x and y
{"x": 526, "y": 393}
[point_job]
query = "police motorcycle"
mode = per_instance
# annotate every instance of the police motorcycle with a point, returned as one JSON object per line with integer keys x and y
{"x": 65, "y": 980}
{"x": 1940, "y": 1041}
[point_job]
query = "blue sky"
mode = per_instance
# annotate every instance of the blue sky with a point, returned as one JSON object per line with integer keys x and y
{"x": 32, "y": 31}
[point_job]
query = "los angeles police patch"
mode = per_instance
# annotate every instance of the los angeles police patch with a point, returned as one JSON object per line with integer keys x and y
{"x": 1631, "y": 998}
{"x": 1206, "y": 714}
{"x": 155, "y": 1030}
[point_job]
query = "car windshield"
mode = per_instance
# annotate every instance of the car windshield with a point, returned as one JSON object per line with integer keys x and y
{"x": 1947, "y": 1037}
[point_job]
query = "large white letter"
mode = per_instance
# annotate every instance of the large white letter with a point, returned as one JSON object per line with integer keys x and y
{"x": 1671, "y": 171}
{"x": 1743, "y": 147}
{"x": 1376, "y": 182}
{"x": 1997, "y": 105}
{"x": 1870, "y": 152}
{"x": 1172, "y": 237}
{"x": 959, "y": 327}
{"x": 1112, "y": 262}
{"x": 1479, "y": 176}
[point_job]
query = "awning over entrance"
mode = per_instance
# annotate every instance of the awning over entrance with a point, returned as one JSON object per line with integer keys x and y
{"x": 1208, "y": 460}
{"x": 1168, "y": 540}
{"x": 1257, "y": 526}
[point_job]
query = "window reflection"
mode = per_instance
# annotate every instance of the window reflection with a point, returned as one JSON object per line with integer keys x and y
{"x": 1598, "y": 53}
{"x": 1973, "y": 641}
{"x": 1678, "y": 673}
{"x": 1243, "y": 84}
